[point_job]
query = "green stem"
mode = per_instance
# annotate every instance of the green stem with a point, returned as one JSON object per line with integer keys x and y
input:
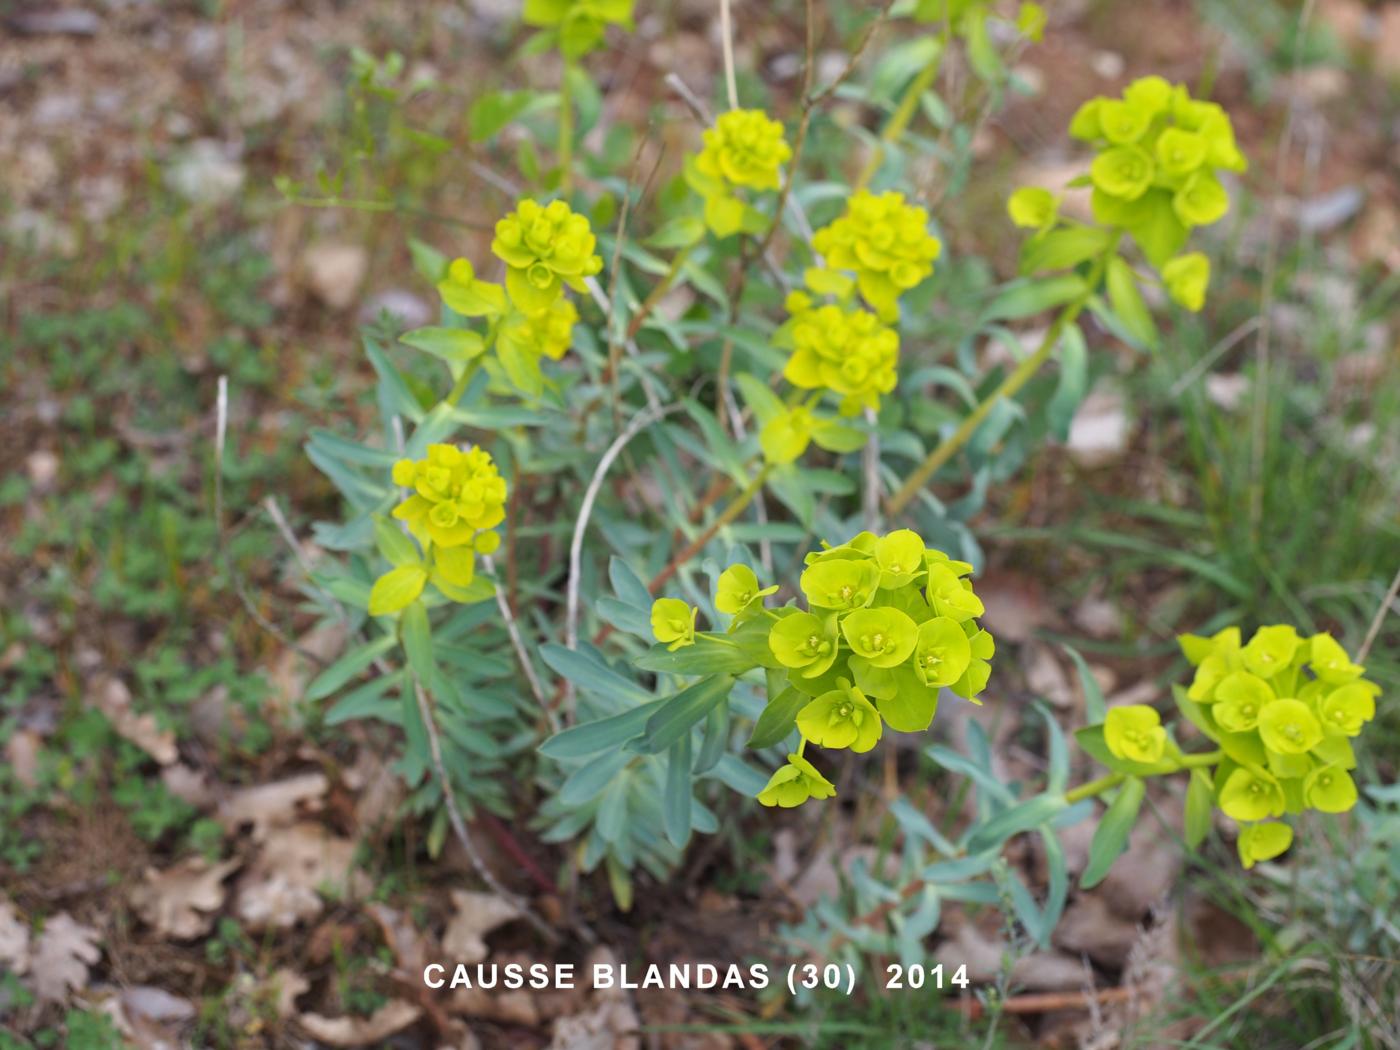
{"x": 1205, "y": 758}
{"x": 1094, "y": 787}
{"x": 566, "y": 129}
{"x": 735, "y": 508}
{"x": 908, "y": 105}
{"x": 1009, "y": 387}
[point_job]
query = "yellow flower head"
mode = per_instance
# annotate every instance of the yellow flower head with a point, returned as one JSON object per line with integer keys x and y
{"x": 1263, "y": 841}
{"x": 457, "y": 497}
{"x": 793, "y": 784}
{"x": 673, "y": 623}
{"x": 744, "y": 148}
{"x": 1135, "y": 733}
{"x": 549, "y": 333}
{"x": 544, "y": 248}
{"x": 885, "y": 242}
{"x": 845, "y": 350}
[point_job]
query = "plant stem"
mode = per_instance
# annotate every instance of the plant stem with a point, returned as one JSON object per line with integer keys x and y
{"x": 566, "y": 128}
{"x": 908, "y": 104}
{"x": 1009, "y": 387}
{"x": 732, "y": 511}
{"x": 1205, "y": 758}
{"x": 1094, "y": 787}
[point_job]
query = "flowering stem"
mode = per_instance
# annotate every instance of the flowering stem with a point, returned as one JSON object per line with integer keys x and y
{"x": 1094, "y": 787}
{"x": 900, "y": 120}
{"x": 1205, "y": 758}
{"x": 1009, "y": 387}
{"x": 566, "y": 128}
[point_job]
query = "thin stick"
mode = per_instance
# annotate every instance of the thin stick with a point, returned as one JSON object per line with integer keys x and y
{"x": 726, "y": 32}
{"x": 692, "y": 101}
{"x": 1378, "y": 619}
{"x": 1218, "y": 351}
{"x": 220, "y": 435}
{"x": 640, "y": 422}
{"x": 517, "y": 643}
{"x": 459, "y": 826}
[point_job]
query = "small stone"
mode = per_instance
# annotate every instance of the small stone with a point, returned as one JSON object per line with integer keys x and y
{"x": 334, "y": 272}
{"x": 42, "y": 467}
{"x": 206, "y": 173}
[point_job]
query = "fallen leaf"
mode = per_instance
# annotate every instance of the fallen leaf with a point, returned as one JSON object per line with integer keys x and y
{"x": 14, "y": 939}
{"x": 188, "y": 785}
{"x": 271, "y": 805}
{"x": 283, "y": 886}
{"x": 179, "y": 901}
{"x": 402, "y": 937}
{"x": 476, "y": 915}
{"x": 113, "y": 699}
{"x": 61, "y": 957}
{"x": 394, "y": 1016}
{"x": 22, "y": 753}
{"x": 155, "y": 1004}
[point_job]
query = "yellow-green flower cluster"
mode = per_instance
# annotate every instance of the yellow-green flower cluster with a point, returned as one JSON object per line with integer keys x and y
{"x": 842, "y": 349}
{"x": 544, "y": 247}
{"x": 1284, "y": 709}
{"x": 885, "y": 242}
{"x": 458, "y": 497}
{"x": 745, "y": 150}
{"x": 579, "y": 23}
{"x": 1154, "y": 176}
{"x": 889, "y": 623}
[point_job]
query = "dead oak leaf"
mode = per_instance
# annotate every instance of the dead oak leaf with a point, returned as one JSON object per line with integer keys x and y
{"x": 14, "y": 939}
{"x": 297, "y": 864}
{"x": 266, "y": 806}
{"x": 394, "y": 1016}
{"x": 113, "y": 699}
{"x": 180, "y": 901}
{"x": 61, "y": 958}
{"x": 477, "y": 914}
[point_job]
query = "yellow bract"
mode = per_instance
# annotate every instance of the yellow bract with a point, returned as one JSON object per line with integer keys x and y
{"x": 456, "y": 495}
{"x": 745, "y": 148}
{"x": 885, "y": 242}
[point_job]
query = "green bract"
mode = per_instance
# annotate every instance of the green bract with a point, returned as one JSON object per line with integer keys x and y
{"x": 805, "y": 642}
{"x": 1263, "y": 842}
{"x": 885, "y": 242}
{"x": 1135, "y": 732}
{"x": 942, "y": 654}
{"x": 883, "y": 637}
{"x": 1329, "y": 789}
{"x": 1033, "y": 208}
{"x": 840, "y": 718}
{"x": 793, "y": 784}
{"x": 840, "y": 583}
{"x": 673, "y": 622}
{"x": 1347, "y": 709}
{"x": 1251, "y": 794}
{"x": 844, "y": 350}
{"x": 738, "y": 589}
{"x": 1239, "y": 698}
{"x": 1187, "y": 277}
{"x": 544, "y": 248}
{"x": 1289, "y": 727}
{"x": 580, "y": 23}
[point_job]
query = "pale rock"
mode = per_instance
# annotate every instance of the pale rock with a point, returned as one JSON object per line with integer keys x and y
{"x": 206, "y": 172}
{"x": 1098, "y": 434}
{"x": 1227, "y": 390}
{"x": 334, "y": 271}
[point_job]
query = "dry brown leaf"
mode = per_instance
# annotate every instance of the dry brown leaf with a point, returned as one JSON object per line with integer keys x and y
{"x": 477, "y": 914}
{"x": 283, "y": 885}
{"x": 402, "y": 937}
{"x": 179, "y": 901}
{"x": 271, "y": 805}
{"x": 610, "y": 1024}
{"x": 113, "y": 699}
{"x": 188, "y": 785}
{"x": 61, "y": 957}
{"x": 14, "y": 939}
{"x": 394, "y": 1016}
